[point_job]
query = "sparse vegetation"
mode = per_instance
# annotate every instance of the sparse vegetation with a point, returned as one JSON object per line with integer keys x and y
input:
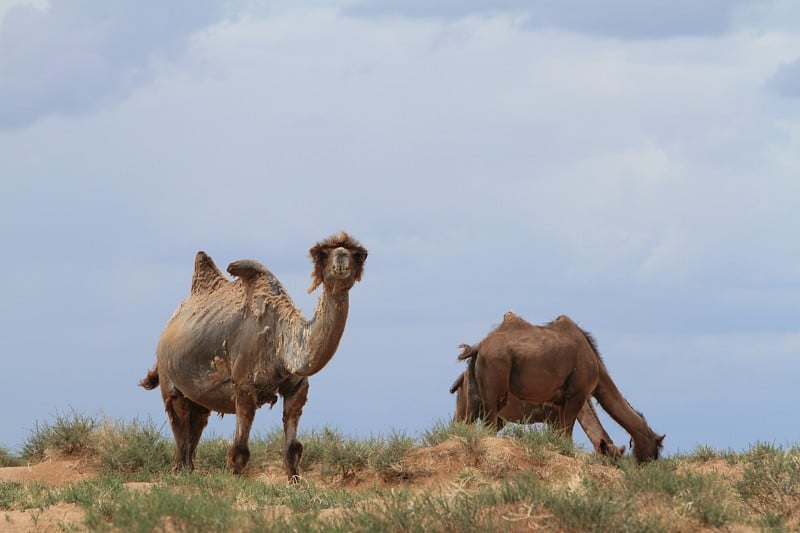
{"x": 68, "y": 434}
{"x": 770, "y": 483}
{"x": 133, "y": 447}
{"x": 454, "y": 477}
{"x": 7, "y": 458}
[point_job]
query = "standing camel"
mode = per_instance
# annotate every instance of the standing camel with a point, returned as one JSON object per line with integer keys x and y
{"x": 520, "y": 412}
{"x": 556, "y": 363}
{"x": 232, "y": 346}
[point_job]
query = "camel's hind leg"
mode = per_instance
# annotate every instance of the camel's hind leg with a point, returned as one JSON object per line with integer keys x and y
{"x": 294, "y": 398}
{"x": 492, "y": 384}
{"x": 187, "y": 420}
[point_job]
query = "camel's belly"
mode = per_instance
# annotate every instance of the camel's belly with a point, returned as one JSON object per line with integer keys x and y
{"x": 552, "y": 379}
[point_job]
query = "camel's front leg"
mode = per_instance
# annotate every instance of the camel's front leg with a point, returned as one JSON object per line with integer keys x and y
{"x": 239, "y": 454}
{"x": 294, "y": 398}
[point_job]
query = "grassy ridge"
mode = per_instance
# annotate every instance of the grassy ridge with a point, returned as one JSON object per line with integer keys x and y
{"x": 451, "y": 478}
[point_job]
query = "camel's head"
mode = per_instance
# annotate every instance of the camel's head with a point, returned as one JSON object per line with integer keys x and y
{"x": 338, "y": 263}
{"x": 648, "y": 448}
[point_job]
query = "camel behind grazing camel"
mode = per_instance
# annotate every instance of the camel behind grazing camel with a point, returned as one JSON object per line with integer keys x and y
{"x": 557, "y": 363}
{"x": 517, "y": 411}
{"x": 232, "y": 346}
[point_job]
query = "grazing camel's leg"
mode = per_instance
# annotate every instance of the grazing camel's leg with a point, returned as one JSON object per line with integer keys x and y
{"x": 187, "y": 420}
{"x": 493, "y": 388}
{"x": 568, "y": 413}
{"x": 294, "y": 398}
{"x": 239, "y": 454}
{"x": 590, "y": 422}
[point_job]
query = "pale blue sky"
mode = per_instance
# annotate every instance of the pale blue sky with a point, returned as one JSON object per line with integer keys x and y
{"x": 636, "y": 168}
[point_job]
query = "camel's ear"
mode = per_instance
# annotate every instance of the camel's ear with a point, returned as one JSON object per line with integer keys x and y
{"x": 319, "y": 254}
{"x": 359, "y": 255}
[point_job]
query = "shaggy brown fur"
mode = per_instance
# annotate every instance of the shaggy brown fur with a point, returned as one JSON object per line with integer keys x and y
{"x": 556, "y": 363}
{"x": 233, "y": 346}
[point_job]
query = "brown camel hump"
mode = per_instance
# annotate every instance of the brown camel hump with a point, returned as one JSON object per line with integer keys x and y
{"x": 247, "y": 269}
{"x": 512, "y": 320}
{"x": 207, "y": 276}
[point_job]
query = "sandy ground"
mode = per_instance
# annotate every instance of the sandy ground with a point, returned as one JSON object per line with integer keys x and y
{"x": 59, "y": 517}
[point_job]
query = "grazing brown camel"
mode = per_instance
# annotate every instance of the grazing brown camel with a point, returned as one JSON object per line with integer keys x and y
{"x": 517, "y": 411}
{"x": 232, "y": 346}
{"x": 556, "y": 363}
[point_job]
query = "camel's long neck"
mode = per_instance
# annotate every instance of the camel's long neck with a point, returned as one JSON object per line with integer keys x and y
{"x": 309, "y": 345}
{"x": 618, "y": 407}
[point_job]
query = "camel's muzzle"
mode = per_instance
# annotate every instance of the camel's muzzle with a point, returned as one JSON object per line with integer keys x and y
{"x": 340, "y": 265}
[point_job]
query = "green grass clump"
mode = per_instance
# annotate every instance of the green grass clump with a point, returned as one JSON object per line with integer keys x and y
{"x": 386, "y": 454}
{"x": 699, "y": 495}
{"x": 443, "y": 430}
{"x": 16, "y": 495}
{"x": 69, "y": 434}
{"x": 770, "y": 483}
{"x": 335, "y": 454}
{"x": 164, "y": 508}
{"x": 133, "y": 447}
{"x": 7, "y": 458}
{"x": 539, "y": 437}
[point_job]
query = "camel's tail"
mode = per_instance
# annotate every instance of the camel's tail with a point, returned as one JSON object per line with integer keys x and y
{"x": 467, "y": 351}
{"x": 150, "y": 381}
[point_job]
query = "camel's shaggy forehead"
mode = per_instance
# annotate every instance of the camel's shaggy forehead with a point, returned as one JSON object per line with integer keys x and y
{"x": 339, "y": 240}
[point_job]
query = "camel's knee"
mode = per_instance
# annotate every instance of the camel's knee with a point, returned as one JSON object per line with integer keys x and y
{"x": 238, "y": 457}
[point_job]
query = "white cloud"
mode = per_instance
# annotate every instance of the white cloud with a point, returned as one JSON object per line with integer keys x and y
{"x": 786, "y": 80}
{"x": 72, "y": 57}
{"x": 626, "y": 19}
